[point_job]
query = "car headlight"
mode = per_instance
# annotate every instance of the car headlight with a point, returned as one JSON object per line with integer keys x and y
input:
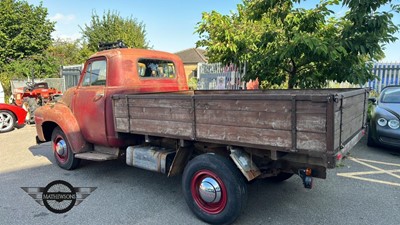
{"x": 382, "y": 122}
{"x": 394, "y": 124}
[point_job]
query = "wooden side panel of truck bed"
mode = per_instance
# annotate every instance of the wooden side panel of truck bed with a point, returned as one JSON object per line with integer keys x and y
{"x": 316, "y": 121}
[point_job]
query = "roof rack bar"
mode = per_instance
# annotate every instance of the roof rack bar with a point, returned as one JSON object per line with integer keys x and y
{"x": 111, "y": 45}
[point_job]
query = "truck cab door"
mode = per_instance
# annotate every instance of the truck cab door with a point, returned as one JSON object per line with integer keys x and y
{"x": 89, "y": 102}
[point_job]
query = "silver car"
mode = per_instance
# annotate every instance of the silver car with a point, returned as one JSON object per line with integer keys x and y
{"x": 384, "y": 125}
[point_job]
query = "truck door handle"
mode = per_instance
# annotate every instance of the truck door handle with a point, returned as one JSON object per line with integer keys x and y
{"x": 98, "y": 97}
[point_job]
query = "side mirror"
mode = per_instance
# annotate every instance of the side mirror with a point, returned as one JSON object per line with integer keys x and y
{"x": 372, "y": 100}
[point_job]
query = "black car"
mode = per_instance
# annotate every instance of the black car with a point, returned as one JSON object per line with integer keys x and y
{"x": 383, "y": 128}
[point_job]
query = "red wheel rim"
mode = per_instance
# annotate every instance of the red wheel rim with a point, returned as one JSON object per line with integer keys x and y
{"x": 57, "y": 141}
{"x": 211, "y": 208}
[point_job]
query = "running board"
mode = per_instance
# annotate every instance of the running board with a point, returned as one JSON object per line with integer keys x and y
{"x": 95, "y": 156}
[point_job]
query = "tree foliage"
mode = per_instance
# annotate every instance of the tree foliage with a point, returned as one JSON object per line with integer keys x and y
{"x": 67, "y": 52}
{"x": 25, "y": 34}
{"x": 283, "y": 43}
{"x": 24, "y": 30}
{"x": 112, "y": 27}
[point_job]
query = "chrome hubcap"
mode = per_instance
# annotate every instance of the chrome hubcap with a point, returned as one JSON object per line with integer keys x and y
{"x": 61, "y": 148}
{"x": 5, "y": 121}
{"x": 210, "y": 190}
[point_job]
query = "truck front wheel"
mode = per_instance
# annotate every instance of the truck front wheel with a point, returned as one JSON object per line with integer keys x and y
{"x": 62, "y": 150}
{"x": 214, "y": 189}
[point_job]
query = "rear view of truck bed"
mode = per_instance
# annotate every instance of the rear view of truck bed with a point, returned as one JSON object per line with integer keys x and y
{"x": 312, "y": 122}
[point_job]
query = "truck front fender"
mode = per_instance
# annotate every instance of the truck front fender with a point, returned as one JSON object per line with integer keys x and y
{"x": 49, "y": 116}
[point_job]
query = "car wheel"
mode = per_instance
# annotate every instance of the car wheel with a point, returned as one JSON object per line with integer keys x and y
{"x": 214, "y": 189}
{"x": 370, "y": 140}
{"x": 62, "y": 150}
{"x": 7, "y": 121}
{"x": 280, "y": 177}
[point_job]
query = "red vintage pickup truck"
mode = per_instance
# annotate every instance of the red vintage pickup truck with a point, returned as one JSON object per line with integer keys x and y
{"x": 135, "y": 104}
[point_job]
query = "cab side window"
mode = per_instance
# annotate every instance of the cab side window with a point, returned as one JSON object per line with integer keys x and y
{"x": 95, "y": 74}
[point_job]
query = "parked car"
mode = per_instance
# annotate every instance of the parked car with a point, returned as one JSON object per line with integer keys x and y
{"x": 384, "y": 125}
{"x": 11, "y": 116}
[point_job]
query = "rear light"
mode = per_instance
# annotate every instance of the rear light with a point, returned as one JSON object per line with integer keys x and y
{"x": 305, "y": 175}
{"x": 339, "y": 156}
{"x": 308, "y": 172}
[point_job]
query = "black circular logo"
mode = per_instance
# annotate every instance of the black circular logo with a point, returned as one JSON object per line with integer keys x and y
{"x": 59, "y": 196}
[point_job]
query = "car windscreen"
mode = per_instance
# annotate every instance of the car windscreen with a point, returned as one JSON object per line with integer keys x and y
{"x": 391, "y": 95}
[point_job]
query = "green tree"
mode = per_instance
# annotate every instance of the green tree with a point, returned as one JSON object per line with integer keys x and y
{"x": 24, "y": 30}
{"x": 283, "y": 43}
{"x": 112, "y": 27}
{"x": 25, "y": 34}
{"x": 69, "y": 52}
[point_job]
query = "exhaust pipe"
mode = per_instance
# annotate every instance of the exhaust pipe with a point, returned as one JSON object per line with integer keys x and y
{"x": 150, "y": 158}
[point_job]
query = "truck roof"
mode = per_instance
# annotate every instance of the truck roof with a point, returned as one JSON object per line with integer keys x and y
{"x": 136, "y": 53}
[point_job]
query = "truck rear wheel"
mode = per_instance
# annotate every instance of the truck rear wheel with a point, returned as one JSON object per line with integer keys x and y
{"x": 62, "y": 150}
{"x": 214, "y": 189}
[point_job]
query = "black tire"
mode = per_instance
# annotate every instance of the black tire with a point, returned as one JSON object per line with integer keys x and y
{"x": 7, "y": 121}
{"x": 233, "y": 188}
{"x": 370, "y": 140}
{"x": 280, "y": 177}
{"x": 65, "y": 158}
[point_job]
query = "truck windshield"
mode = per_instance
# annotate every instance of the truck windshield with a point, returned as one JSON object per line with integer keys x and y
{"x": 155, "y": 68}
{"x": 391, "y": 95}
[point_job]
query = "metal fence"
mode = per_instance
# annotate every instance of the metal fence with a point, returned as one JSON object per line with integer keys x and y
{"x": 387, "y": 73}
{"x": 71, "y": 74}
{"x": 216, "y": 76}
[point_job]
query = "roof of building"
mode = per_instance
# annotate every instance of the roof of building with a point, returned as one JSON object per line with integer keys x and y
{"x": 192, "y": 55}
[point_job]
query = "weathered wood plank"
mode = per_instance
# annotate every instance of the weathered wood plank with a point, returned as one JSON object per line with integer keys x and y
{"x": 353, "y": 112}
{"x": 275, "y": 138}
{"x": 348, "y": 102}
{"x": 253, "y": 121}
{"x": 170, "y": 128}
{"x": 161, "y": 103}
{"x": 337, "y": 138}
{"x": 121, "y": 112}
{"x": 120, "y": 102}
{"x": 311, "y": 122}
{"x": 264, "y": 120}
{"x": 122, "y": 125}
{"x": 311, "y": 141}
{"x": 270, "y": 106}
{"x": 351, "y": 127}
{"x": 351, "y": 121}
{"x": 162, "y": 114}
{"x": 311, "y": 107}
{"x": 338, "y": 116}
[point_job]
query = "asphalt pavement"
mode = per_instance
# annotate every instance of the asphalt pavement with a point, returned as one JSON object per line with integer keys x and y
{"x": 365, "y": 189}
